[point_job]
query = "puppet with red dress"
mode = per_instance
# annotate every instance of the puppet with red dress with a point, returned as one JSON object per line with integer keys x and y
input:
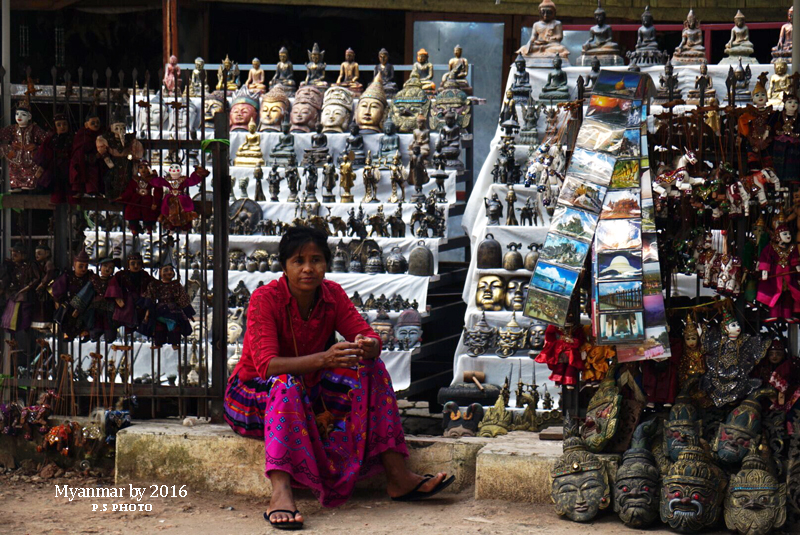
{"x": 53, "y": 160}
{"x": 779, "y": 264}
{"x": 85, "y": 162}
{"x": 562, "y": 354}
{"x": 142, "y": 199}
{"x": 177, "y": 208}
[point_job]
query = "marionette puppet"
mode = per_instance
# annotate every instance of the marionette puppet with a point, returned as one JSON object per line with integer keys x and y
{"x": 18, "y": 144}
{"x": 126, "y": 289}
{"x": 754, "y": 130}
{"x": 85, "y": 162}
{"x": 778, "y": 288}
{"x": 169, "y": 310}
{"x": 142, "y": 199}
{"x": 120, "y": 153}
{"x": 177, "y": 207}
{"x": 53, "y": 161}
{"x": 786, "y": 145}
{"x": 562, "y": 354}
{"x": 97, "y": 317}
{"x": 19, "y": 281}
{"x": 43, "y": 306}
{"x": 65, "y": 294}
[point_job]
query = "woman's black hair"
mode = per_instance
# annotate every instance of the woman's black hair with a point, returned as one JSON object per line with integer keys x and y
{"x": 295, "y": 238}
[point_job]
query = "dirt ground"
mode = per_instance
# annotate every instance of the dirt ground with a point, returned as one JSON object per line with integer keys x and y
{"x": 28, "y": 506}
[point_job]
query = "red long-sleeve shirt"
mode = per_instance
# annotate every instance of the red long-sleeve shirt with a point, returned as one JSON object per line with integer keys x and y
{"x": 269, "y": 335}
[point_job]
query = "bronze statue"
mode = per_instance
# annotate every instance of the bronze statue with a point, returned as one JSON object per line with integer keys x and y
{"x": 328, "y": 179}
{"x": 424, "y": 71}
{"x": 255, "y": 78}
{"x": 198, "y": 83}
{"x": 691, "y": 50}
{"x": 390, "y": 141}
{"x": 647, "y": 52}
{"x": 349, "y": 74}
{"x": 249, "y": 153}
{"x": 422, "y": 138}
{"x": 347, "y": 176}
{"x": 710, "y": 97}
{"x": 355, "y": 144}
{"x": 458, "y": 70}
{"x": 316, "y": 66}
{"x": 600, "y": 44}
{"x": 739, "y": 47}
{"x": 780, "y": 84}
{"x": 784, "y": 47}
{"x": 226, "y": 75}
{"x": 284, "y": 73}
{"x": 284, "y": 149}
{"x": 386, "y": 72}
{"x": 546, "y": 37}
{"x": 556, "y": 89}
{"x": 521, "y": 86}
{"x": 755, "y": 503}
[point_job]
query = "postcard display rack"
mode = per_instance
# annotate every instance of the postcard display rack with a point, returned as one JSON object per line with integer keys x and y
{"x": 414, "y": 289}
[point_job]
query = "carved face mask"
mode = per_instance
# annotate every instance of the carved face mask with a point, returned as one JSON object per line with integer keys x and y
{"x": 272, "y": 114}
{"x": 369, "y": 114}
{"x": 578, "y": 496}
{"x": 516, "y": 291}
{"x": 636, "y": 500}
{"x": 335, "y": 118}
{"x": 732, "y": 444}
{"x": 677, "y": 438}
{"x": 490, "y": 293}
{"x": 690, "y": 500}
{"x": 212, "y": 108}
{"x": 303, "y": 117}
{"x": 240, "y": 116}
{"x": 234, "y": 332}
{"x": 755, "y": 503}
{"x": 410, "y": 334}
{"x": 602, "y": 415}
{"x": 384, "y": 330}
{"x": 409, "y": 102}
{"x": 536, "y": 336}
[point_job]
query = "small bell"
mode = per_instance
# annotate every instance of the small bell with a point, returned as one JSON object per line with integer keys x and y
{"x": 490, "y": 253}
{"x": 275, "y": 264}
{"x": 355, "y": 265}
{"x": 420, "y": 261}
{"x": 532, "y": 257}
{"x": 396, "y": 263}
{"x": 512, "y": 260}
{"x": 339, "y": 263}
{"x": 251, "y": 265}
{"x": 374, "y": 262}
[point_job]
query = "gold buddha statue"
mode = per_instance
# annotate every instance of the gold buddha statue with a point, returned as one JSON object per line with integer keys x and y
{"x": 458, "y": 70}
{"x": 424, "y": 71}
{"x": 226, "y": 75}
{"x": 546, "y": 37}
{"x": 371, "y": 107}
{"x": 779, "y": 83}
{"x": 249, "y": 153}
{"x": 348, "y": 73}
{"x": 255, "y": 78}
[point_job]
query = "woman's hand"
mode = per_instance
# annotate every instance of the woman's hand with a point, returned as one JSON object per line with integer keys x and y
{"x": 369, "y": 345}
{"x": 341, "y": 355}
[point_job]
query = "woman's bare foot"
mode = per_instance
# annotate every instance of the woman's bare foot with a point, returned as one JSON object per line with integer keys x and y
{"x": 282, "y": 498}
{"x": 405, "y": 483}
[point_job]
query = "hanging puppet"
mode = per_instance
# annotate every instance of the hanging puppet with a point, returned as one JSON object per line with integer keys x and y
{"x": 85, "y": 161}
{"x": 18, "y": 144}
{"x": 53, "y": 160}
{"x": 126, "y": 289}
{"x": 19, "y": 280}
{"x": 142, "y": 199}
{"x": 43, "y": 307}
{"x": 169, "y": 310}
{"x": 779, "y": 264}
{"x": 177, "y": 208}
{"x": 562, "y": 353}
{"x": 120, "y": 153}
{"x": 65, "y": 294}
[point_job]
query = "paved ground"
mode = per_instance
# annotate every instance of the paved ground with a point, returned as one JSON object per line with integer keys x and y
{"x": 28, "y": 506}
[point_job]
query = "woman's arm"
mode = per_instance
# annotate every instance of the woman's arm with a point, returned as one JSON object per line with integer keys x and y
{"x": 352, "y": 326}
{"x": 341, "y": 355}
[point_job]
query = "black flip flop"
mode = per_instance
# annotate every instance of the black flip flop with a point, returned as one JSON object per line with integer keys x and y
{"x": 417, "y": 495}
{"x": 292, "y": 525}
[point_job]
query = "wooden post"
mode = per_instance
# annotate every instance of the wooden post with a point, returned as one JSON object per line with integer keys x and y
{"x": 795, "y": 27}
{"x": 219, "y": 332}
{"x": 169, "y": 13}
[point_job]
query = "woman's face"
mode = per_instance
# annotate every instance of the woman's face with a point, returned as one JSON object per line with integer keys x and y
{"x": 306, "y": 268}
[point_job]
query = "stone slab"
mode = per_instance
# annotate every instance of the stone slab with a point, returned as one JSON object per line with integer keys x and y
{"x": 213, "y": 458}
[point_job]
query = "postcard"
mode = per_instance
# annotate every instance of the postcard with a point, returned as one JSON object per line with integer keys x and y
{"x": 602, "y": 137}
{"x": 621, "y": 327}
{"x": 649, "y": 247}
{"x": 619, "y": 265}
{"x": 618, "y": 234}
{"x": 629, "y": 146}
{"x": 622, "y": 204}
{"x": 648, "y": 215}
{"x": 626, "y": 84}
{"x": 594, "y": 166}
{"x": 615, "y": 111}
{"x": 655, "y": 346}
{"x": 580, "y": 194}
{"x": 654, "y": 312}
{"x": 565, "y": 251}
{"x": 572, "y": 222}
{"x": 625, "y": 295}
{"x": 625, "y": 174}
{"x": 553, "y": 278}
{"x": 546, "y": 307}
{"x": 652, "y": 278}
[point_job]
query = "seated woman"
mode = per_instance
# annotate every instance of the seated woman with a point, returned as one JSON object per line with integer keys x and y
{"x": 328, "y": 413}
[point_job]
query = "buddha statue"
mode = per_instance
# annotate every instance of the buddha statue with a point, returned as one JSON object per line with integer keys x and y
{"x": 450, "y": 99}
{"x": 355, "y": 144}
{"x": 755, "y": 502}
{"x": 458, "y": 70}
{"x": 306, "y": 108}
{"x": 386, "y": 71}
{"x": 496, "y": 421}
{"x": 422, "y": 138}
{"x": 284, "y": 73}
{"x": 529, "y": 132}
{"x": 318, "y": 153}
{"x": 349, "y": 74}
{"x": 226, "y": 76}
{"x": 691, "y": 50}
{"x": 249, "y": 153}
{"x": 693, "y": 97}
{"x": 779, "y": 83}
{"x": 784, "y": 47}
{"x": 243, "y": 109}
{"x": 741, "y": 84}
{"x": 580, "y": 485}
{"x": 212, "y": 107}
{"x": 591, "y": 77}
{"x": 739, "y": 47}
{"x": 647, "y": 52}
{"x": 274, "y": 109}
{"x": 600, "y": 44}
{"x": 521, "y": 86}
{"x": 424, "y": 71}
{"x": 667, "y": 78}
{"x": 408, "y": 103}
{"x": 284, "y": 149}
{"x": 255, "y": 78}
{"x": 197, "y": 82}
{"x": 337, "y": 109}
{"x": 450, "y": 136}
{"x": 390, "y": 141}
{"x": 315, "y": 74}
{"x": 555, "y": 90}
{"x": 546, "y": 37}
{"x": 371, "y": 108}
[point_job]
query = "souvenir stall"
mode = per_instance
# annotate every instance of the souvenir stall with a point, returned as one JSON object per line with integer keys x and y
{"x": 657, "y": 203}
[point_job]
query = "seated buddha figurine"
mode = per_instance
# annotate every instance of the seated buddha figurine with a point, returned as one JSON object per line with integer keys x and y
{"x": 691, "y": 50}
{"x": 348, "y": 73}
{"x": 284, "y": 73}
{"x": 315, "y": 74}
{"x": 600, "y": 44}
{"x": 390, "y": 140}
{"x": 318, "y": 153}
{"x": 355, "y": 144}
{"x": 424, "y": 71}
{"x": 546, "y": 37}
{"x": 458, "y": 70}
{"x": 784, "y": 47}
{"x": 386, "y": 71}
{"x": 521, "y": 86}
{"x": 249, "y": 153}
{"x": 779, "y": 83}
{"x": 647, "y": 52}
{"x": 226, "y": 75}
{"x": 664, "y": 80}
{"x": 450, "y": 137}
{"x": 197, "y": 82}
{"x": 739, "y": 46}
{"x": 555, "y": 90}
{"x": 693, "y": 97}
{"x": 255, "y": 78}
{"x": 284, "y": 149}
